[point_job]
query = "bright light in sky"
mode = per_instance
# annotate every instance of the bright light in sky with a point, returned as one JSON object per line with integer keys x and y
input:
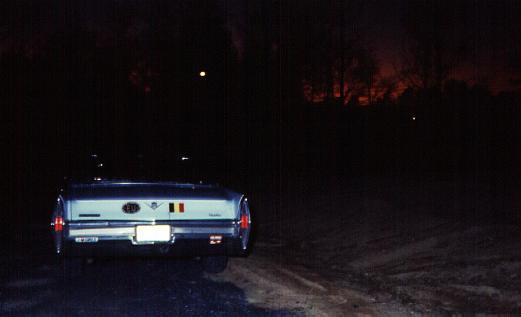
{"x": 202, "y": 73}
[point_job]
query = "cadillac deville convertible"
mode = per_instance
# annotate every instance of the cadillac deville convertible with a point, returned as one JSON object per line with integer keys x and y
{"x": 125, "y": 218}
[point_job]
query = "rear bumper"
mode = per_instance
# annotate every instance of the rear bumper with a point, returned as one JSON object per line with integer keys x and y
{"x": 118, "y": 238}
{"x": 180, "y": 248}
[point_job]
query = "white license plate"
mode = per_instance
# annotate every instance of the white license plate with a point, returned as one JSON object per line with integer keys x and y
{"x": 86, "y": 239}
{"x": 150, "y": 233}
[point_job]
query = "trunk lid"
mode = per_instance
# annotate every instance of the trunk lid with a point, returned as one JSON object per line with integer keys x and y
{"x": 132, "y": 201}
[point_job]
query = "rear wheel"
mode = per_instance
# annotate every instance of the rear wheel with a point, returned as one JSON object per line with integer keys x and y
{"x": 214, "y": 264}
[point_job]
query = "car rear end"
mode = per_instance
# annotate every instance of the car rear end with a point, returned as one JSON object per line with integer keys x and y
{"x": 150, "y": 218}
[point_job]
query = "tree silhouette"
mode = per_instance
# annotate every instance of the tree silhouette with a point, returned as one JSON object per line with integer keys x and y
{"x": 335, "y": 63}
{"x": 515, "y": 62}
{"x": 431, "y": 49}
{"x": 362, "y": 74}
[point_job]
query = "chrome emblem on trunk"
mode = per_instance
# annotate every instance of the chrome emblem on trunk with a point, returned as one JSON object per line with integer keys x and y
{"x": 153, "y": 205}
{"x": 130, "y": 208}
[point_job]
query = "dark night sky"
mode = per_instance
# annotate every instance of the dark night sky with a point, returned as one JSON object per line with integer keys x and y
{"x": 490, "y": 28}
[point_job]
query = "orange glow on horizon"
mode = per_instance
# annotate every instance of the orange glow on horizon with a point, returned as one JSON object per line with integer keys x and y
{"x": 320, "y": 96}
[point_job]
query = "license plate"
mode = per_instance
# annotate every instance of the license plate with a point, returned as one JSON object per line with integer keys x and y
{"x": 86, "y": 239}
{"x": 153, "y": 233}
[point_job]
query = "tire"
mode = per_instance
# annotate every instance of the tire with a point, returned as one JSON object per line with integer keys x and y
{"x": 214, "y": 264}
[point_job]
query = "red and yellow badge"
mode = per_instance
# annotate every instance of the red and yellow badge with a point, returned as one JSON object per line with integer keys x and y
{"x": 177, "y": 207}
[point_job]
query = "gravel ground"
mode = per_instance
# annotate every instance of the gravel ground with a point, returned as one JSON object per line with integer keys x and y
{"x": 30, "y": 286}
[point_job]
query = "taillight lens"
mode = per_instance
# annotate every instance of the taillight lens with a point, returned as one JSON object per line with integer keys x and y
{"x": 245, "y": 221}
{"x": 245, "y": 215}
{"x": 58, "y": 224}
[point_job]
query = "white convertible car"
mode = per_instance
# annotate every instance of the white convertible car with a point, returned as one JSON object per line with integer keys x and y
{"x": 104, "y": 217}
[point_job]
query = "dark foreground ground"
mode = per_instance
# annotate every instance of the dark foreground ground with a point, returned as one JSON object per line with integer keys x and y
{"x": 425, "y": 246}
{"x": 30, "y": 285}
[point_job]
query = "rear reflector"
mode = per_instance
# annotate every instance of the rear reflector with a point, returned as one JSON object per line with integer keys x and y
{"x": 58, "y": 224}
{"x": 244, "y": 222}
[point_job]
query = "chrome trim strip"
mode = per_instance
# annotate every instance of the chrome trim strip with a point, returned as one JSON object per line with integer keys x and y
{"x": 88, "y": 224}
{"x": 209, "y": 230}
{"x": 94, "y": 232}
{"x": 118, "y": 230}
{"x": 177, "y": 223}
{"x": 130, "y": 231}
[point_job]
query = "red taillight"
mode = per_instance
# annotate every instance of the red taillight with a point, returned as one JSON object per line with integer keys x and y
{"x": 245, "y": 224}
{"x": 58, "y": 224}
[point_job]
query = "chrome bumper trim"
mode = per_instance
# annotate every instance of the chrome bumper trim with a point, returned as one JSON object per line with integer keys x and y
{"x": 175, "y": 223}
{"x": 96, "y": 232}
{"x": 117, "y": 230}
{"x": 130, "y": 231}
